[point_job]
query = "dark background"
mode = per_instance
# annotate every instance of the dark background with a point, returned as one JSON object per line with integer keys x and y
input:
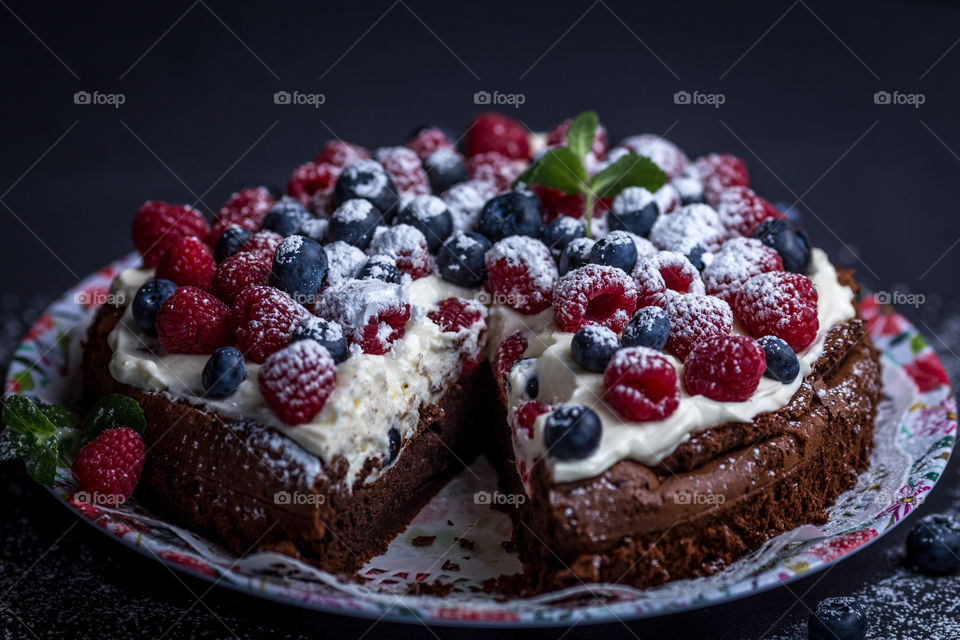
{"x": 877, "y": 185}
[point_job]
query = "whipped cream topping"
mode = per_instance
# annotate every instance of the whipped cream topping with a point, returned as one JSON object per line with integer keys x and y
{"x": 562, "y": 380}
{"x": 374, "y": 393}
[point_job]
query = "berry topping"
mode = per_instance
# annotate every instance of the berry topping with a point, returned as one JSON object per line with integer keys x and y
{"x": 837, "y": 619}
{"x": 665, "y": 271}
{"x": 109, "y": 466}
{"x": 264, "y": 243}
{"x": 559, "y": 233}
{"x": 787, "y": 239}
{"x": 693, "y": 224}
{"x": 527, "y": 414}
{"x": 404, "y": 168}
{"x": 782, "y": 363}
{"x": 739, "y": 260}
{"x": 315, "y": 228}
{"x": 509, "y": 353}
{"x": 521, "y": 274}
{"x": 641, "y": 385}
{"x": 688, "y": 187}
{"x": 245, "y": 208}
{"x": 724, "y": 368}
{"x": 693, "y": 319}
{"x": 430, "y": 215}
{"x": 312, "y": 185}
{"x": 515, "y": 213}
{"x": 193, "y": 321}
{"x": 300, "y": 268}
{"x": 445, "y": 168}
{"x": 664, "y": 153}
{"x": 649, "y": 327}
{"x": 461, "y": 258}
{"x": 367, "y": 180}
{"x": 780, "y": 304}
{"x": 188, "y": 262}
{"x": 740, "y": 210}
{"x": 427, "y": 140}
{"x": 719, "y": 171}
{"x": 263, "y": 319}
{"x": 158, "y": 225}
{"x": 343, "y": 260}
{"x": 465, "y": 200}
{"x": 454, "y": 314}
{"x": 328, "y": 334}
{"x": 407, "y": 246}
{"x": 286, "y": 217}
{"x": 372, "y": 313}
{"x": 223, "y": 373}
{"x": 494, "y": 169}
{"x": 146, "y": 304}
{"x": 353, "y": 222}
{"x": 495, "y": 132}
{"x": 616, "y": 249}
{"x": 342, "y": 154}
{"x": 933, "y": 546}
{"x": 380, "y": 267}
{"x": 230, "y": 241}
{"x": 572, "y": 432}
{"x": 297, "y": 380}
{"x": 594, "y": 294}
{"x": 593, "y": 346}
{"x": 238, "y": 272}
{"x": 635, "y": 210}
{"x": 575, "y": 255}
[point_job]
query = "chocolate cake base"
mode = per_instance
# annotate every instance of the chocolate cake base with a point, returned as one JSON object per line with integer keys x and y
{"x": 250, "y": 488}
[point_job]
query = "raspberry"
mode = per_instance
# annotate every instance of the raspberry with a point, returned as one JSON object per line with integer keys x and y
{"x": 739, "y": 260}
{"x": 109, "y": 466}
{"x": 508, "y": 354}
{"x": 527, "y": 414}
{"x": 495, "y": 132}
{"x": 188, "y": 262}
{"x": 641, "y": 385}
{"x": 694, "y": 318}
{"x": 158, "y": 225}
{"x": 740, "y": 210}
{"x": 263, "y": 318}
{"x": 404, "y": 168}
{"x": 238, "y": 272}
{"x": 779, "y": 304}
{"x": 719, "y": 171}
{"x": 558, "y": 137}
{"x": 666, "y": 270}
{"x": 373, "y": 313}
{"x": 521, "y": 274}
{"x": 427, "y": 141}
{"x": 594, "y": 294}
{"x": 297, "y": 380}
{"x": 193, "y": 321}
{"x": 245, "y": 208}
{"x": 342, "y": 154}
{"x": 557, "y": 204}
{"x": 724, "y": 368}
{"x": 263, "y": 243}
{"x": 406, "y": 245}
{"x": 495, "y": 169}
{"x": 661, "y": 151}
{"x": 312, "y": 185}
{"x": 692, "y": 224}
{"x": 454, "y": 314}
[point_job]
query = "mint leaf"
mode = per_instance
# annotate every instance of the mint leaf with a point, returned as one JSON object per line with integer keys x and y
{"x": 23, "y": 416}
{"x": 59, "y": 416}
{"x": 630, "y": 170}
{"x": 558, "y": 168}
{"x": 41, "y": 461}
{"x": 112, "y": 411}
{"x": 581, "y": 132}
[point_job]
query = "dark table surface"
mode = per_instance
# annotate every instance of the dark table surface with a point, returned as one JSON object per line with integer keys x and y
{"x": 874, "y": 182}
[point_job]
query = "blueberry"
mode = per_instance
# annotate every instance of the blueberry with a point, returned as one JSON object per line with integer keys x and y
{"x": 229, "y": 242}
{"x": 572, "y": 432}
{"x": 782, "y": 363}
{"x": 380, "y": 267}
{"x": 593, "y": 346}
{"x": 791, "y": 211}
{"x": 445, "y": 168}
{"x": 300, "y": 268}
{"x": 354, "y": 222}
{"x": 393, "y": 435}
{"x": 286, "y": 217}
{"x": 368, "y": 180}
{"x": 837, "y": 619}
{"x": 695, "y": 255}
{"x": 146, "y": 304}
{"x": 648, "y": 327}
{"x": 533, "y": 387}
{"x": 430, "y": 215}
{"x": 933, "y": 547}
{"x": 575, "y": 255}
{"x": 787, "y": 239}
{"x": 634, "y": 210}
{"x": 616, "y": 249}
{"x": 460, "y": 259}
{"x": 514, "y": 213}
{"x": 329, "y": 334}
{"x": 559, "y": 233}
{"x": 223, "y": 373}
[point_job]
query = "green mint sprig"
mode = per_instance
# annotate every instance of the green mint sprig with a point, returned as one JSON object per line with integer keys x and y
{"x": 112, "y": 411}
{"x": 564, "y": 169}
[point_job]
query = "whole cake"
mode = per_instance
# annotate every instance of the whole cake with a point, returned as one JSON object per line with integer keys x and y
{"x": 650, "y": 353}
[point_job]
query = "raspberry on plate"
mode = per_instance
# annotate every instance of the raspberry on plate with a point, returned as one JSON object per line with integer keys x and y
{"x": 526, "y": 414}
{"x": 405, "y": 244}
{"x": 342, "y": 154}
{"x": 428, "y": 140}
{"x": 739, "y": 260}
{"x": 693, "y": 319}
{"x": 496, "y": 132}
{"x": 193, "y": 321}
{"x": 495, "y": 169}
{"x": 238, "y": 272}
{"x": 263, "y": 319}
{"x": 719, "y": 171}
{"x": 263, "y": 243}
{"x": 404, "y": 168}
{"x": 109, "y": 466}
{"x": 724, "y": 368}
{"x": 158, "y": 225}
{"x": 456, "y": 314}
{"x": 373, "y": 313}
{"x": 740, "y": 210}
{"x": 665, "y": 271}
{"x": 641, "y": 385}
{"x": 661, "y": 151}
{"x": 594, "y": 294}
{"x": 779, "y": 304}
{"x": 508, "y": 354}
{"x": 297, "y": 381}
{"x": 521, "y": 274}
{"x": 188, "y": 262}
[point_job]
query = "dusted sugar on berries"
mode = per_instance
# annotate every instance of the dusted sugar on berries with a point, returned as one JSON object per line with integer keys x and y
{"x": 456, "y": 314}
{"x": 188, "y": 262}
{"x": 521, "y": 274}
{"x": 109, "y": 467}
{"x": 343, "y": 260}
{"x": 693, "y": 319}
{"x": 527, "y": 414}
{"x": 724, "y": 368}
{"x": 465, "y": 200}
{"x": 372, "y": 313}
{"x": 245, "y": 208}
{"x": 641, "y": 385}
{"x": 779, "y": 304}
{"x": 159, "y": 225}
{"x": 739, "y": 260}
{"x": 594, "y": 294}
{"x": 497, "y": 132}
{"x": 238, "y": 272}
{"x": 404, "y": 168}
{"x": 719, "y": 171}
{"x": 342, "y": 154}
{"x": 508, "y": 354}
{"x": 661, "y": 151}
{"x": 263, "y": 318}
{"x": 312, "y": 184}
{"x": 193, "y": 321}
{"x": 264, "y": 243}
{"x": 431, "y": 216}
{"x": 663, "y": 272}
{"x": 405, "y": 244}
{"x": 694, "y": 223}
{"x": 297, "y": 381}
{"x": 495, "y": 169}
{"x": 741, "y": 210}
{"x": 428, "y": 140}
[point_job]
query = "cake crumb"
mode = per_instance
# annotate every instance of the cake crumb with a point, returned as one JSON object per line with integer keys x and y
{"x": 423, "y": 541}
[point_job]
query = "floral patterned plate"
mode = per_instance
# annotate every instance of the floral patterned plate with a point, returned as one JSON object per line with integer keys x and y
{"x": 458, "y": 542}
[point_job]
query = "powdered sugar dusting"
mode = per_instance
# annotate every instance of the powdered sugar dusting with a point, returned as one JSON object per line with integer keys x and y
{"x": 694, "y": 222}
{"x": 739, "y": 260}
{"x": 344, "y": 261}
